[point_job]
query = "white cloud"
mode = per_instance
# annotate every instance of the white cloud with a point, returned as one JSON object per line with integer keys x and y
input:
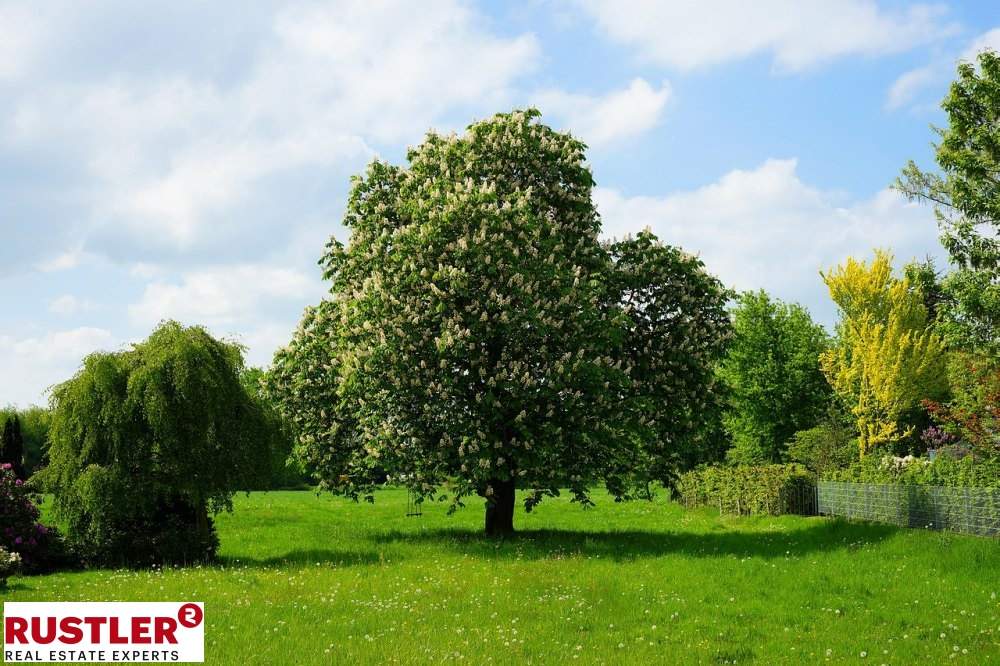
{"x": 59, "y": 345}
{"x": 332, "y": 77}
{"x": 392, "y": 66}
{"x": 909, "y": 85}
{"x": 30, "y": 365}
{"x": 223, "y": 297}
{"x": 145, "y": 271}
{"x": 257, "y": 305}
{"x": 67, "y": 305}
{"x": 798, "y": 34}
{"x": 210, "y": 179}
{"x": 21, "y": 37}
{"x": 987, "y": 40}
{"x": 263, "y": 340}
{"x": 617, "y": 115}
{"x": 177, "y": 158}
{"x": 766, "y": 229}
{"x": 62, "y": 261}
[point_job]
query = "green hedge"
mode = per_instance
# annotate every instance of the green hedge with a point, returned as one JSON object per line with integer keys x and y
{"x": 967, "y": 472}
{"x": 750, "y": 489}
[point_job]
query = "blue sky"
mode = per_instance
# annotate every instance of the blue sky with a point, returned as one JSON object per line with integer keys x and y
{"x": 188, "y": 160}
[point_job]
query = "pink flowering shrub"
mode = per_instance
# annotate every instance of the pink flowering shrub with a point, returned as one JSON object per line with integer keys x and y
{"x": 20, "y": 531}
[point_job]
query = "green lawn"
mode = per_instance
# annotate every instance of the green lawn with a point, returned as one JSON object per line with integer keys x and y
{"x": 317, "y": 580}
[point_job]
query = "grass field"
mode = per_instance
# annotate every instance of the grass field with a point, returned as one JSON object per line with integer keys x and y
{"x": 318, "y": 580}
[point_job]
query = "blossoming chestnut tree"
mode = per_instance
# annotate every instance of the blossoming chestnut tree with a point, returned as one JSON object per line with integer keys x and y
{"x": 478, "y": 337}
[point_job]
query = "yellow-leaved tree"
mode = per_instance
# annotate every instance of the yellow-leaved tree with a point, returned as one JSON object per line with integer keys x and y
{"x": 886, "y": 359}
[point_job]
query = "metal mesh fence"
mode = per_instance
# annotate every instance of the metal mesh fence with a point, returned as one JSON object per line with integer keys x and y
{"x": 970, "y": 510}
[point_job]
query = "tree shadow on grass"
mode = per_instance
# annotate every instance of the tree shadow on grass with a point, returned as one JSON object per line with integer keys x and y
{"x": 303, "y": 558}
{"x": 623, "y": 545}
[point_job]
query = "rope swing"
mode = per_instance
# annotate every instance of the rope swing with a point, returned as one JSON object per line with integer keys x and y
{"x": 414, "y": 504}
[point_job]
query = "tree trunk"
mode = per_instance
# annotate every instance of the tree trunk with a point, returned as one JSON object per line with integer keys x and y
{"x": 206, "y": 544}
{"x": 500, "y": 509}
{"x": 201, "y": 518}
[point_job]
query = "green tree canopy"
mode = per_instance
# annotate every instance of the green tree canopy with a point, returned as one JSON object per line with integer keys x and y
{"x": 473, "y": 341}
{"x": 966, "y": 197}
{"x": 676, "y": 330}
{"x": 285, "y": 470}
{"x": 34, "y": 422}
{"x": 146, "y": 442}
{"x": 776, "y": 387}
{"x": 12, "y": 446}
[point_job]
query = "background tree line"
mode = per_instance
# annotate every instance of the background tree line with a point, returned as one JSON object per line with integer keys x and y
{"x": 914, "y": 362}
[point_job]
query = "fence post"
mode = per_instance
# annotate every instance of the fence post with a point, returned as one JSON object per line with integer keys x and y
{"x": 968, "y": 511}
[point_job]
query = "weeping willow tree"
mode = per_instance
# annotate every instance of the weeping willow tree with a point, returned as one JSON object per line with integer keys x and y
{"x": 147, "y": 443}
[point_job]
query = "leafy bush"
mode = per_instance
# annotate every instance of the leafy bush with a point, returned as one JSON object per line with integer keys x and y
{"x": 831, "y": 445}
{"x": 944, "y": 470}
{"x": 171, "y": 529}
{"x": 973, "y": 413}
{"x": 39, "y": 548}
{"x": 750, "y": 489}
{"x": 9, "y": 564}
